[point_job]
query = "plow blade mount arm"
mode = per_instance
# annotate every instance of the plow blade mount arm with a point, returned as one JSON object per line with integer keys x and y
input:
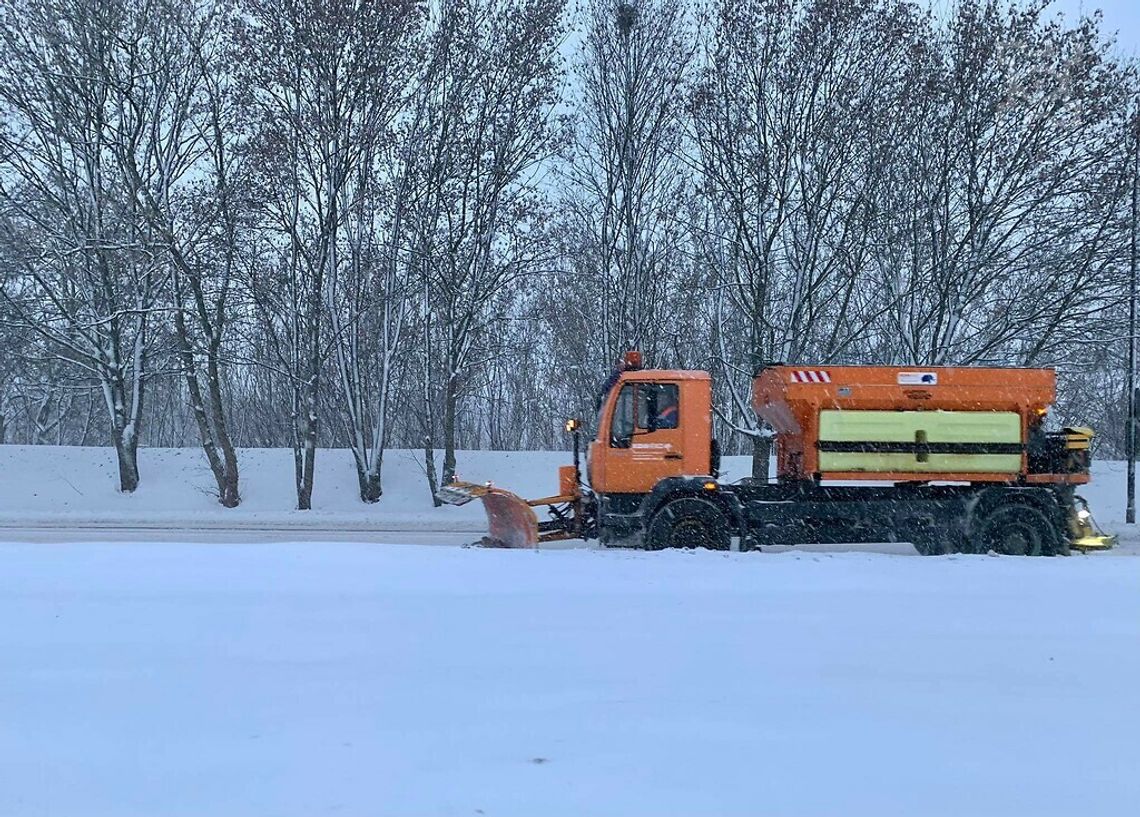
{"x": 510, "y": 519}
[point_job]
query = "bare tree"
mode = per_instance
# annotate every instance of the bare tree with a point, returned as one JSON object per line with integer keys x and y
{"x": 627, "y": 172}
{"x": 204, "y": 271}
{"x": 791, "y": 120}
{"x": 78, "y": 92}
{"x": 370, "y": 289}
{"x": 490, "y": 108}
{"x": 187, "y": 104}
{"x": 318, "y": 75}
{"x": 1017, "y": 121}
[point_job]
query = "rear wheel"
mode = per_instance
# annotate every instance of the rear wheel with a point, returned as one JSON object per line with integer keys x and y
{"x": 1019, "y": 530}
{"x": 940, "y": 541}
{"x": 689, "y": 522}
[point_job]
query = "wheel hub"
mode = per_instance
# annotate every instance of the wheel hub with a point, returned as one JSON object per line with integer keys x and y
{"x": 690, "y": 533}
{"x": 1015, "y": 543}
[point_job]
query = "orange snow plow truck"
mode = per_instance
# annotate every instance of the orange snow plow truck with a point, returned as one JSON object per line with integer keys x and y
{"x": 952, "y": 459}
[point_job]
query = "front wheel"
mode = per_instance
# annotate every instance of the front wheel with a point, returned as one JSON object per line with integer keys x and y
{"x": 1019, "y": 530}
{"x": 689, "y": 522}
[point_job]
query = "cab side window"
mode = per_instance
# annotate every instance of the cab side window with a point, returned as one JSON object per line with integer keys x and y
{"x": 657, "y": 406}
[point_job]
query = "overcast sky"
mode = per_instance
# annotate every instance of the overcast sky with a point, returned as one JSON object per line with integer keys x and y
{"x": 1121, "y": 16}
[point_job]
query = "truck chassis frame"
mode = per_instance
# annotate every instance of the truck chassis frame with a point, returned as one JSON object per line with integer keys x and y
{"x": 937, "y": 519}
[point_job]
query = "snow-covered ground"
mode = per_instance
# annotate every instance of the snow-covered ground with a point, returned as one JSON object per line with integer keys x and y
{"x": 254, "y": 676}
{"x": 47, "y": 485}
{"x": 371, "y": 680}
{"x": 47, "y": 489}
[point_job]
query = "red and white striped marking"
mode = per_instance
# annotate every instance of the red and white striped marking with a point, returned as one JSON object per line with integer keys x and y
{"x": 810, "y": 376}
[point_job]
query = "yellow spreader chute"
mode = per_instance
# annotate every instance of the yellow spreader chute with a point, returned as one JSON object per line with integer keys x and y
{"x": 1086, "y": 534}
{"x": 1102, "y": 541}
{"x": 511, "y": 520}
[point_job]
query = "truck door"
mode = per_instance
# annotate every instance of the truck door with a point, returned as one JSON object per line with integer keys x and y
{"x": 646, "y": 443}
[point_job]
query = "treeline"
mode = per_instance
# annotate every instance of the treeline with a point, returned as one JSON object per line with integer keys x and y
{"x": 437, "y": 225}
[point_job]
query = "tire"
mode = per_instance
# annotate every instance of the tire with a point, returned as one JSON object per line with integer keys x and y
{"x": 689, "y": 522}
{"x": 942, "y": 543}
{"x": 1018, "y": 529}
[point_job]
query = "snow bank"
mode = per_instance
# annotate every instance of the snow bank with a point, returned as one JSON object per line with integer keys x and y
{"x": 54, "y": 485}
{"x": 365, "y": 680}
{"x": 78, "y": 486}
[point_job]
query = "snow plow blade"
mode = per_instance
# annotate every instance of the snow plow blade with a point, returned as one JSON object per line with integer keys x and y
{"x": 511, "y": 521}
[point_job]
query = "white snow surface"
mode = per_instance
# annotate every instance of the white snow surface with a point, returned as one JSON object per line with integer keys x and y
{"x": 48, "y": 485}
{"x": 399, "y": 680}
{"x": 274, "y": 678}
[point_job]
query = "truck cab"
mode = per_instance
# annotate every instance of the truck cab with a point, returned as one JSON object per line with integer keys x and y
{"x": 654, "y": 424}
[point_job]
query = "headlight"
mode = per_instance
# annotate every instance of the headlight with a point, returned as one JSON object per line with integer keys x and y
{"x": 1083, "y": 515}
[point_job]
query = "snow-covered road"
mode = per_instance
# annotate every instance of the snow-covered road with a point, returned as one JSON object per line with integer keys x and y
{"x": 67, "y": 532}
{"x": 303, "y": 679}
{"x": 181, "y": 532}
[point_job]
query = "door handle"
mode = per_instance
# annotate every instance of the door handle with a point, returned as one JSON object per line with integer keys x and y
{"x": 674, "y": 456}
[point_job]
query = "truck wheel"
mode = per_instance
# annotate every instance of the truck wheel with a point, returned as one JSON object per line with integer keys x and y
{"x": 941, "y": 541}
{"x": 1018, "y": 530}
{"x": 688, "y": 523}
